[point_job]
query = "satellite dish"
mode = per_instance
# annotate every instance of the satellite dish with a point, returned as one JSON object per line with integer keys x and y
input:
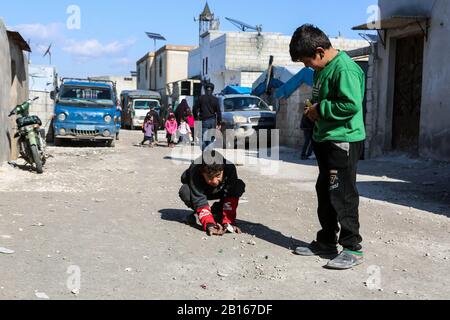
{"x": 245, "y": 26}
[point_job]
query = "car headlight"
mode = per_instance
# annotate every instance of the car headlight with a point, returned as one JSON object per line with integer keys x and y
{"x": 62, "y": 117}
{"x": 106, "y": 133}
{"x": 240, "y": 119}
{"x": 108, "y": 119}
{"x": 62, "y": 131}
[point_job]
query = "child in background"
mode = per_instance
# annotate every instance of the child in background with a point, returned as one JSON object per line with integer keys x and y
{"x": 185, "y": 132}
{"x": 171, "y": 128}
{"x": 191, "y": 122}
{"x": 148, "y": 131}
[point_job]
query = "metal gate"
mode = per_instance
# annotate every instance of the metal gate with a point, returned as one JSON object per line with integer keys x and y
{"x": 408, "y": 94}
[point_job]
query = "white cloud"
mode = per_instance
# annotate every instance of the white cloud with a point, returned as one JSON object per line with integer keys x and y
{"x": 40, "y": 33}
{"x": 95, "y": 49}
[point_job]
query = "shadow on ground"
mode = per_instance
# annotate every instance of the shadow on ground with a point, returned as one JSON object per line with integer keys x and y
{"x": 260, "y": 231}
{"x": 400, "y": 179}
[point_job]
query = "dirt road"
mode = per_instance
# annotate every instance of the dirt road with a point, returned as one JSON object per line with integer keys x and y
{"x": 113, "y": 218}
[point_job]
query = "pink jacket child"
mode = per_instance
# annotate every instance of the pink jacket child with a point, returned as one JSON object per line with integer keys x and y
{"x": 171, "y": 128}
{"x": 191, "y": 121}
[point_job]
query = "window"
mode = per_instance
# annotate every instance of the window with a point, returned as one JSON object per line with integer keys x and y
{"x": 87, "y": 94}
{"x": 185, "y": 88}
{"x": 160, "y": 68}
{"x": 245, "y": 104}
{"x": 206, "y": 65}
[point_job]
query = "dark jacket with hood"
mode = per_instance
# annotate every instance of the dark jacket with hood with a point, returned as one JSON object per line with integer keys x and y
{"x": 201, "y": 192}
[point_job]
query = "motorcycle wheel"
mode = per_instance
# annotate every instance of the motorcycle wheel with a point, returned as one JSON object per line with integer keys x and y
{"x": 37, "y": 160}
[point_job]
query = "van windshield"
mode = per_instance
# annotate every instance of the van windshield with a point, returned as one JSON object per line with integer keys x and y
{"x": 145, "y": 104}
{"x": 87, "y": 96}
{"x": 245, "y": 104}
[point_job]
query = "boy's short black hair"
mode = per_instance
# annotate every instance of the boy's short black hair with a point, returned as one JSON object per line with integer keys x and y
{"x": 212, "y": 165}
{"x": 212, "y": 170}
{"x": 306, "y": 40}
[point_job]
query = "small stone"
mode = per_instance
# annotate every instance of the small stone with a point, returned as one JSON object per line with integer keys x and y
{"x": 41, "y": 295}
{"x": 6, "y": 251}
{"x": 128, "y": 269}
{"x": 76, "y": 291}
{"x": 204, "y": 286}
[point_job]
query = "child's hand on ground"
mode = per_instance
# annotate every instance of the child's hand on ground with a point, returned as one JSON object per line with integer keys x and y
{"x": 232, "y": 229}
{"x": 216, "y": 230}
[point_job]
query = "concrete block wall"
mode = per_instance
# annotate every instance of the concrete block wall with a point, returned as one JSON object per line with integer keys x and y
{"x": 44, "y": 108}
{"x": 5, "y": 101}
{"x": 289, "y": 118}
{"x": 248, "y": 51}
{"x": 13, "y": 90}
{"x": 249, "y": 78}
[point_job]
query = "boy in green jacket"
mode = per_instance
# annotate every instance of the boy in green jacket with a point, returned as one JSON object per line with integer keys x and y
{"x": 338, "y": 140}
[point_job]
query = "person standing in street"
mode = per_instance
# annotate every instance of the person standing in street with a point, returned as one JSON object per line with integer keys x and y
{"x": 171, "y": 129}
{"x": 156, "y": 122}
{"x": 182, "y": 111}
{"x": 338, "y": 140}
{"x": 207, "y": 110}
{"x": 307, "y": 126}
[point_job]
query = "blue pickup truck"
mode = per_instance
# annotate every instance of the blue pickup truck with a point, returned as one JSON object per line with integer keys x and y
{"x": 86, "y": 110}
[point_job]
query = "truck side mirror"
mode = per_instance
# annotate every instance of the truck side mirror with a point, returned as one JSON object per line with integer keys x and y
{"x": 53, "y": 95}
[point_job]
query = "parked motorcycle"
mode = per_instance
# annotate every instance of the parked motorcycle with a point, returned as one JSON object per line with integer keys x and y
{"x": 31, "y": 138}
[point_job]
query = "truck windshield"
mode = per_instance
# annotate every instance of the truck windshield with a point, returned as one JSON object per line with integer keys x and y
{"x": 245, "y": 104}
{"x": 87, "y": 96}
{"x": 145, "y": 104}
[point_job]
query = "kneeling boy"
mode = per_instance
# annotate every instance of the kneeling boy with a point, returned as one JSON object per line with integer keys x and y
{"x": 218, "y": 180}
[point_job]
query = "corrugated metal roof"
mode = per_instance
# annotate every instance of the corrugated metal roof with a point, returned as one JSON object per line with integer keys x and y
{"x": 17, "y": 38}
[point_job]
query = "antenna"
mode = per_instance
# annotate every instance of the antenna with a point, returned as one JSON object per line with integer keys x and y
{"x": 244, "y": 26}
{"x": 49, "y": 53}
{"x": 155, "y": 37}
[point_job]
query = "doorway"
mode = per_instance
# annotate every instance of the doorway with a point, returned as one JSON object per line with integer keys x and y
{"x": 408, "y": 94}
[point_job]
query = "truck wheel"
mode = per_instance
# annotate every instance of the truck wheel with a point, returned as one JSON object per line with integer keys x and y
{"x": 57, "y": 142}
{"x": 111, "y": 143}
{"x": 37, "y": 159}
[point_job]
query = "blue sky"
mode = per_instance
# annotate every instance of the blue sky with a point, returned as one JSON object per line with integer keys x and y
{"x": 111, "y": 36}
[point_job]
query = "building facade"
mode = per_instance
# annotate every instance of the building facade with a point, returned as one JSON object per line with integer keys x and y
{"x": 122, "y": 83}
{"x": 239, "y": 58}
{"x": 408, "y": 109}
{"x": 156, "y": 70}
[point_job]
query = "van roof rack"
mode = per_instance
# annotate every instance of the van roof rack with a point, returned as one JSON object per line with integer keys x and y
{"x": 114, "y": 84}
